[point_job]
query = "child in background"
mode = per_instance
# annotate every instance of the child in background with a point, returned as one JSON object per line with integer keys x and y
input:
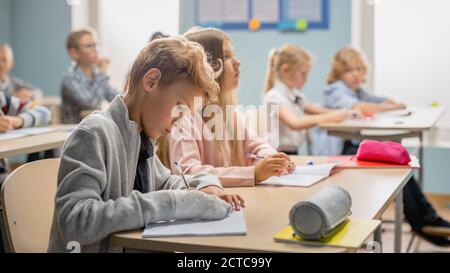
{"x": 345, "y": 91}
{"x": 86, "y": 86}
{"x": 287, "y": 72}
{"x": 347, "y": 75}
{"x": 225, "y": 159}
{"x": 109, "y": 179}
{"x": 15, "y": 114}
{"x": 345, "y": 80}
{"x": 13, "y": 86}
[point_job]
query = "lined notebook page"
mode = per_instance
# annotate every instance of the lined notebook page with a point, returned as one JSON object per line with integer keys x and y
{"x": 234, "y": 224}
{"x": 303, "y": 176}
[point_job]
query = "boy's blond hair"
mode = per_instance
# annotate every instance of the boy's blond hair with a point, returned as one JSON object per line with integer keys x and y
{"x": 74, "y": 37}
{"x": 7, "y": 49}
{"x": 291, "y": 55}
{"x": 341, "y": 61}
{"x": 177, "y": 59}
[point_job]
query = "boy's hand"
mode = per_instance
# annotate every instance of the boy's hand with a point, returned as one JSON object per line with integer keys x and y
{"x": 212, "y": 190}
{"x": 393, "y": 104}
{"x": 5, "y": 124}
{"x": 9, "y": 123}
{"x": 199, "y": 205}
{"x": 235, "y": 200}
{"x": 103, "y": 64}
{"x": 400, "y": 106}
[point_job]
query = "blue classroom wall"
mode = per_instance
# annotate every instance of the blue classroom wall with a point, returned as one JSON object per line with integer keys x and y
{"x": 436, "y": 170}
{"x": 5, "y": 21}
{"x": 252, "y": 49}
{"x": 38, "y": 33}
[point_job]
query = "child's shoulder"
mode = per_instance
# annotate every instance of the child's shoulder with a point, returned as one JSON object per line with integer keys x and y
{"x": 71, "y": 73}
{"x": 275, "y": 95}
{"x": 98, "y": 122}
{"x": 336, "y": 87}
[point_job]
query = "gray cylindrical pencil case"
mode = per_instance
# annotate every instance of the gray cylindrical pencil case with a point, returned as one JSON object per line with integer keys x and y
{"x": 321, "y": 214}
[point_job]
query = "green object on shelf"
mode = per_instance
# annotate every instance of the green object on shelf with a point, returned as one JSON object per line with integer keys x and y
{"x": 301, "y": 25}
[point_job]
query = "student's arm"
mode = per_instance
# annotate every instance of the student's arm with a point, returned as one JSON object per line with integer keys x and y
{"x": 83, "y": 216}
{"x": 36, "y": 116}
{"x": 376, "y": 107}
{"x": 165, "y": 181}
{"x": 189, "y": 157}
{"x": 83, "y": 96}
{"x": 187, "y": 152}
{"x": 253, "y": 144}
{"x": 22, "y": 114}
{"x": 338, "y": 96}
{"x": 315, "y": 109}
{"x": 295, "y": 122}
{"x": 398, "y": 105}
{"x": 257, "y": 146}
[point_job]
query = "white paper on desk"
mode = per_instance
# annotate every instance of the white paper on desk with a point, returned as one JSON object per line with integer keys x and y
{"x": 303, "y": 176}
{"x": 396, "y": 113}
{"x": 10, "y": 135}
{"x": 232, "y": 225}
{"x": 35, "y": 130}
{"x": 18, "y": 133}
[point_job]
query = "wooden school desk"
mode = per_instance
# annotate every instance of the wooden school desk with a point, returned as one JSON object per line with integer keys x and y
{"x": 390, "y": 126}
{"x": 35, "y": 143}
{"x": 267, "y": 210}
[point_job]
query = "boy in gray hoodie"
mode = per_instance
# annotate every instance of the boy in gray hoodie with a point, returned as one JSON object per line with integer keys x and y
{"x": 109, "y": 179}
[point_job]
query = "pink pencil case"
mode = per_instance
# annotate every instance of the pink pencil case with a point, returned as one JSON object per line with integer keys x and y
{"x": 383, "y": 151}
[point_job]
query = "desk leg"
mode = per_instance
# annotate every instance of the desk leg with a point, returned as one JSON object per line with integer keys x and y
{"x": 398, "y": 223}
{"x": 421, "y": 160}
{"x": 377, "y": 237}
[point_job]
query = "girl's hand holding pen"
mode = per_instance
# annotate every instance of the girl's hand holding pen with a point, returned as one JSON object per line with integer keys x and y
{"x": 273, "y": 165}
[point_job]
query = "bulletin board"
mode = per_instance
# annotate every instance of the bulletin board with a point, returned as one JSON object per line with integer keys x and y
{"x": 263, "y": 14}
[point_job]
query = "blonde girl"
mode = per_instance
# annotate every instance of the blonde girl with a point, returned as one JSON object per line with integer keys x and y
{"x": 226, "y": 159}
{"x": 287, "y": 72}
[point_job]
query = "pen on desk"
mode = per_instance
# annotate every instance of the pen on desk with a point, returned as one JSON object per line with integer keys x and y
{"x": 177, "y": 165}
{"x": 253, "y": 156}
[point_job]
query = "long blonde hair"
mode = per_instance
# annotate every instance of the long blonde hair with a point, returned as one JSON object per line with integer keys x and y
{"x": 212, "y": 41}
{"x": 341, "y": 62}
{"x": 291, "y": 55}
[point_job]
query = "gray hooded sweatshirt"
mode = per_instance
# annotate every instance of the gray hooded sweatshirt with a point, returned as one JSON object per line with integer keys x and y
{"x": 95, "y": 196}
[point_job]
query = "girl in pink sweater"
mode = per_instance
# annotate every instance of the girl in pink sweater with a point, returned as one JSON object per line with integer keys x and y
{"x": 200, "y": 147}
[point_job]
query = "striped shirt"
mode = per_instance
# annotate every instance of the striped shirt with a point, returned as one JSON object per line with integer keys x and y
{"x": 31, "y": 116}
{"x": 80, "y": 93}
{"x": 12, "y": 84}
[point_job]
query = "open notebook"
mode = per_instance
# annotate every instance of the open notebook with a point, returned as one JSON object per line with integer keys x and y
{"x": 18, "y": 133}
{"x": 303, "y": 176}
{"x": 232, "y": 225}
